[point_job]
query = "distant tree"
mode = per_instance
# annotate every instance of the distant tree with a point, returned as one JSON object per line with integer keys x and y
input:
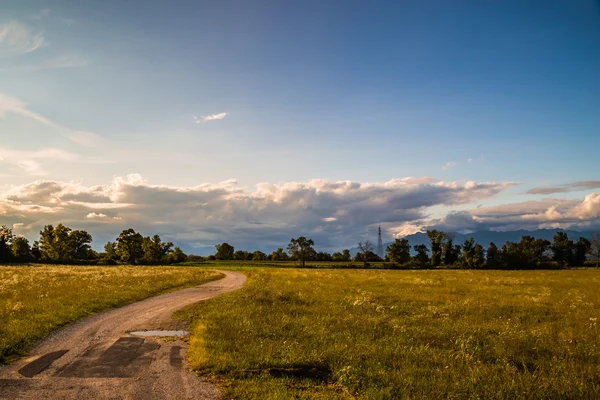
{"x": 79, "y": 243}
{"x": 176, "y": 256}
{"x": 259, "y": 256}
{"x": 579, "y": 251}
{"x": 301, "y": 249}
{"x": 492, "y": 258}
{"x": 450, "y": 252}
{"x": 129, "y": 246}
{"x": 436, "y": 239}
{"x": 337, "y": 256}
{"x": 398, "y": 252}
{"x": 595, "y": 248}
{"x": 110, "y": 251}
{"x": 6, "y": 238}
{"x": 421, "y": 257}
{"x": 364, "y": 248}
{"x": 478, "y": 256}
{"x": 323, "y": 256}
{"x": 155, "y": 251}
{"x": 346, "y": 255}
{"x": 55, "y": 245}
{"x": 35, "y": 251}
{"x": 468, "y": 253}
{"x": 225, "y": 251}
{"x": 561, "y": 247}
{"x": 279, "y": 255}
{"x": 20, "y": 249}
{"x": 242, "y": 255}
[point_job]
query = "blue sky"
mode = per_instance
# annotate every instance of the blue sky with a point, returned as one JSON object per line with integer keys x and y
{"x": 485, "y": 91}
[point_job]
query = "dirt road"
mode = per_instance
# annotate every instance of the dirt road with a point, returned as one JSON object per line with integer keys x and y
{"x": 97, "y": 358}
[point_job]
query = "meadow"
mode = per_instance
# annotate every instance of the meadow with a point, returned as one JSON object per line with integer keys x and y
{"x": 383, "y": 334}
{"x": 35, "y": 300}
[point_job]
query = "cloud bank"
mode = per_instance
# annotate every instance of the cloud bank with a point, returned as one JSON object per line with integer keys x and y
{"x": 334, "y": 214}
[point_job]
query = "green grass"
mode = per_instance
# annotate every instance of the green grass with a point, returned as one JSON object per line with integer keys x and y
{"x": 380, "y": 334}
{"x": 36, "y": 300}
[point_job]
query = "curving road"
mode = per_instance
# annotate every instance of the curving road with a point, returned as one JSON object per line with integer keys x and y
{"x": 97, "y": 358}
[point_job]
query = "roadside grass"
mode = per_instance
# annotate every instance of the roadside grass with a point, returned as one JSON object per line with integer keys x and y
{"x": 35, "y": 300}
{"x": 376, "y": 334}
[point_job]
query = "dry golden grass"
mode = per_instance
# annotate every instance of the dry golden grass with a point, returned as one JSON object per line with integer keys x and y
{"x": 403, "y": 334}
{"x": 35, "y": 300}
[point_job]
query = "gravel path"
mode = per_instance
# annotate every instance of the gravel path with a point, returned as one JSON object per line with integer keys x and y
{"x": 97, "y": 358}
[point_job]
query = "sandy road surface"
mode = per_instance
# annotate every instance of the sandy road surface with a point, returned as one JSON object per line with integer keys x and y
{"x": 97, "y": 358}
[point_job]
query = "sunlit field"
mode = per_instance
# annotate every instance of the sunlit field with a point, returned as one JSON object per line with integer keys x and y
{"x": 36, "y": 300}
{"x": 377, "y": 334}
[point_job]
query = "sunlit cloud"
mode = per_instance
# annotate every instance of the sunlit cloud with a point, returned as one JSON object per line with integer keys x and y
{"x": 332, "y": 213}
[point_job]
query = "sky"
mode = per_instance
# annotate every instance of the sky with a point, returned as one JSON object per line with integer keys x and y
{"x": 252, "y": 122}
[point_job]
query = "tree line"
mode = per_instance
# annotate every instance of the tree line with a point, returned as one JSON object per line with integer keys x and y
{"x": 64, "y": 245}
{"x": 528, "y": 253}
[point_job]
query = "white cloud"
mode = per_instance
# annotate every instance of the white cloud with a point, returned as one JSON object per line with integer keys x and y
{"x": 211, "y": 117}
{"x": 16, "y": 39}
{"x": 332, "y": 213}
{"x": 448, "y": 165}
{"x": 470, "y": 160}
{"x": 547, "y": 213}
{"x": 94, "y": 215}
{"x": 15, "y": 106}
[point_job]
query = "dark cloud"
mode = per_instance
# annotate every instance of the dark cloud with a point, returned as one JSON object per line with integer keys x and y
{"x": 569, "y": 187}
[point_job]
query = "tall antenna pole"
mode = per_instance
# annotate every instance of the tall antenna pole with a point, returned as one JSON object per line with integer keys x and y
{"x": 379, "y": 243}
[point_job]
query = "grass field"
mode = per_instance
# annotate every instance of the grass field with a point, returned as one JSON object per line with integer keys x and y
{"x": 302, "y": 333}
{"x": 36, "y": 300}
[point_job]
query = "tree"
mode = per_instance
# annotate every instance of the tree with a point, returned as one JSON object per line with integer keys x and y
{"x": 301, "y": 249}
{"x": 421, "y": 257}
{"x": 259, "y": 256}
{"x": 492, "y": 259}
{"x": 468, "y": 252}
{"x": 79, "y": 243}
{"x": 337, "y": 256}
{"x": 436, "y": 238}
{"x": 580, "y": 249}
{"x": 478, "y": 256}
{"x": 129, "y": 246}
{"x": 224, "y": 251}
{"x": 110, "y": 251}
{"x": 398, "y": 252}
{"x": 55, "y": 244}
{"x": 449, "y": 251}
{"x": 176, "y": 256}
{"x": 595, "y": 248}
{"x": 346, "y": 255}
{"x": 279, "y": 255}
{"x": 561, "y": 248}
{"x": 323, "y": 256}
{"x": 242, "y": 255}
{"x": 364, "y": 248}
{"x": 155, "y": 250}
{"x": 20, "y": 249}
{"x": 6, "y": 238}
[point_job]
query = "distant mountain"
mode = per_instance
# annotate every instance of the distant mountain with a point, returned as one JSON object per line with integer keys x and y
{"x": 485, "y": 237}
